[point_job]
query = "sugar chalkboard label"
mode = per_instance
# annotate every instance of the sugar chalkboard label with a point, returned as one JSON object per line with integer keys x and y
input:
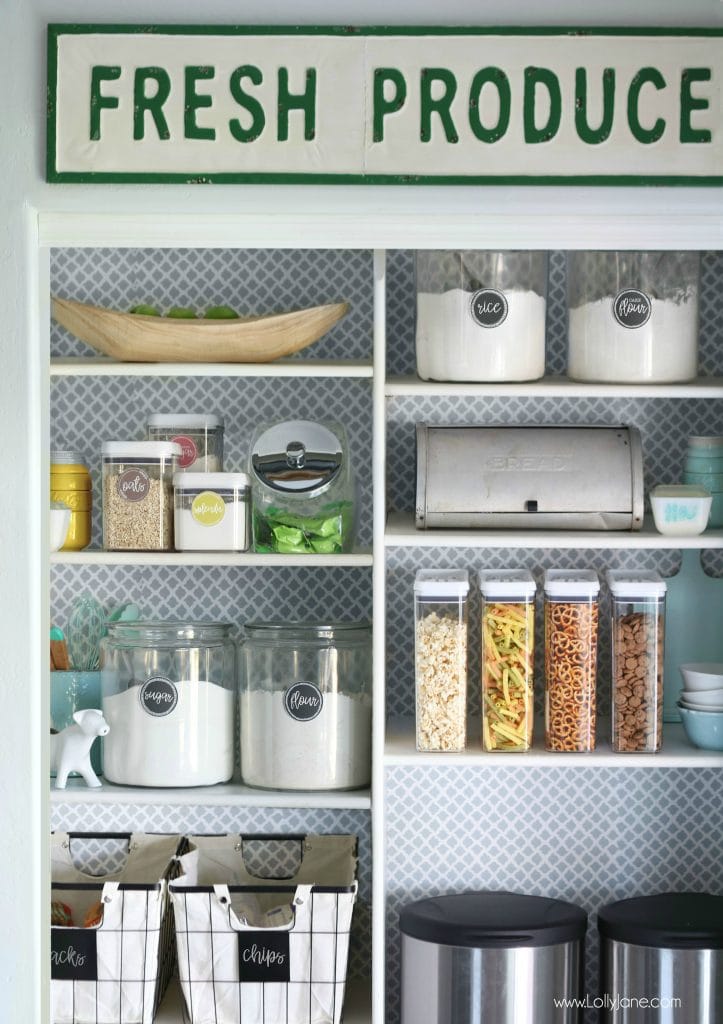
{"x": 263, "y": 956}
{"x": 74, "y": 954}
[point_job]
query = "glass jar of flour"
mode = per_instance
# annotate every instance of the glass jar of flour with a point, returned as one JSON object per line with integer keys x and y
{"x": 169, "y": 697}
{"x": 633, "y": 316}
{"x": 481, "y": 315}
{"x": 305, "y": 705}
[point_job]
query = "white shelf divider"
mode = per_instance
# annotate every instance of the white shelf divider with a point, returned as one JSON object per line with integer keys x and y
{"x": 676, "y": 751}
{"x": 362, "y": 557}
{"x": 548, "y": 387}
{"x": 79, "y": 366}
{"x": 401, "y": 532}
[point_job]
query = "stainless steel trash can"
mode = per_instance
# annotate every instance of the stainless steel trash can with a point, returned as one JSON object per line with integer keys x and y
{"x": 491, "y": 958}
{"x": 662, "y": 959}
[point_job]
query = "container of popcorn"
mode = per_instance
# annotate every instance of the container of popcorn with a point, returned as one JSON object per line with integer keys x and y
{"x": 440, "y": 658}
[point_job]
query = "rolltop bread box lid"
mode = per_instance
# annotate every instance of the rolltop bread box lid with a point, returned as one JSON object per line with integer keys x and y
{"x": 529, "y": 477}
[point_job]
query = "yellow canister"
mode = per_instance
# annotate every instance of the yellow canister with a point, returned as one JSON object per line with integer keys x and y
{"x": 70, "y": 483}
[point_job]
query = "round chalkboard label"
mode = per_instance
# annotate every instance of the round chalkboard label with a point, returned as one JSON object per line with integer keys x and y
{"x": 158, "y": 696}
{"x": 632, "y": 308}
{"x": 303, "y": 701}
{"x": 133, "y": 485}
{"x": 489, "y": 307}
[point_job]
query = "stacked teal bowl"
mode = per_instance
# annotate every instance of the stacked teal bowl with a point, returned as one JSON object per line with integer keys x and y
{"x": 704, "y": 466}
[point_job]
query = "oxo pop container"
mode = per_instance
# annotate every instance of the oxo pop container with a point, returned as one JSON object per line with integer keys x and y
{"x": 481, "y": 315}
{"x": 200, "y": 436}
{"x": 138, "y": 495}
{"x": 212, "y": 511}
{"x": 571, "y": 635}
{"x": 440, "y": 658}
{"x": 508, "y": 658}
{"x": 638, "y": 639}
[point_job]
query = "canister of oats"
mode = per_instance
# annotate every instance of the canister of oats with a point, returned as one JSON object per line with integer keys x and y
{"x": 138, "y": 495}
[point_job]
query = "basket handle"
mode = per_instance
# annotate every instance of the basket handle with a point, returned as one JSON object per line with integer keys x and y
{"x": 300, "y": 909}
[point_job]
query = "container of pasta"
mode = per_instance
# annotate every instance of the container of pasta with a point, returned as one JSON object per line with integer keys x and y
{"x": 440, "y": 658}
{"x": 638, "y": 625}
{"x": 507, "y": 615}
{"x": 571, "y": 636}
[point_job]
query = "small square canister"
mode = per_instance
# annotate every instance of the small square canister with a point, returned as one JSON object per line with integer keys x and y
{"x": 212, "y": 511}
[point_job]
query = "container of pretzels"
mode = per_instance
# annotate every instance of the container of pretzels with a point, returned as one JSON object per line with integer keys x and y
{"x": 638, "y": 637}
{"x": 571, "y": 640}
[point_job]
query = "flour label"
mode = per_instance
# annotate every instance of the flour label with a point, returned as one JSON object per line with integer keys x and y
{"x": 74, "y": 954}
{"x": 489, "y": 307}
{"x": 632, "y": 308}
{"x": 303, "y": 701}
{"x": 158, "y": 696}
{"x": 263, "y": 956}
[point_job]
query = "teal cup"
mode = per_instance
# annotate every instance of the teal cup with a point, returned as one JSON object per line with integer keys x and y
{"x": 712, "y": 482}
{"x": 71, "y": 692}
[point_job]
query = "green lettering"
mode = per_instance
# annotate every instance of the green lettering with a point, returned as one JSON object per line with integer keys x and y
{"x": 644, "y": 135}
{"x": 497, "y": 78}
{"x": 382, "y": 105}
{"x": 249, "y": 103}
{"x": 594, "y": 136}
{"x": 548, "y": 80}
{"x": 305, "y": 101}
{"x": 98, "y": 102}
{"x": 196, "y": 101}
{"x": 689, "y": 103}
{"x": 439, "y": 106}
{"x": 152, "y": 105}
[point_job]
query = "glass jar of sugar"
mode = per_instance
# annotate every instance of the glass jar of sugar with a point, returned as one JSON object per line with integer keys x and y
{"x": 211, "y": 511}
{"x": 200, "y": 436}
{"x": 169, "y": 697}
{"x": 633, "y": 316}
{"x": 481, "y": 315}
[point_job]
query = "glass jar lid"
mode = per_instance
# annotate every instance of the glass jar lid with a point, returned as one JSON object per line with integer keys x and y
{"x": 309, "y": 632}
{"x": 157, "y": 633}
{"x": 297, "y": 456}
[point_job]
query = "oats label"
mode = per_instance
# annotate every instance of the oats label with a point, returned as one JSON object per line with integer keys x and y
{"x": 133, "y": 485}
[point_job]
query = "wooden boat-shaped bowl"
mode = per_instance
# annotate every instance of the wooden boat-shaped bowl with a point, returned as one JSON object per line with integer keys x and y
{"x": 132, "y": 337}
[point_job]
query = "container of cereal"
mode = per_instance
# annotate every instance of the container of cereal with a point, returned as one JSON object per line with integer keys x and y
{"x": 211, "y": 511}
{"x": 138, "y": 495}
{"x": 638, "y": 632}
{"x": 199, "y": 435}
{"x": 571, "y": 636}
{"x": 440, "y": 658}
{"x": 508, "y": 658}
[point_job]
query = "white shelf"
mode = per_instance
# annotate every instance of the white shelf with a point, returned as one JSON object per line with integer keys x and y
{"x": 79, "y": 366}
{"x": 547, "y": 387}
{"x": 676, "y": 751}
{"x": 357, "y": 1005}
{"x": 400, "y": 532}
{"x": 361, "y": 557}
{"x": 223, "y": 795}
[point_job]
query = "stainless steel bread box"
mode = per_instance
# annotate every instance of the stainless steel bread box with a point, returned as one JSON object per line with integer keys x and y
{"x": 531, "y": 477}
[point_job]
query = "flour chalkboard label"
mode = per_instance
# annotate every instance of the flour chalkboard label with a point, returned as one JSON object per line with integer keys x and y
{"x": 74, "y": 954}
{"x": 303, "y": 701}
{"x": 489, "y": 307}
{"x": 158, "y": 696}
{"x": 632, "y": 308}
{"x": 263, "y": 956}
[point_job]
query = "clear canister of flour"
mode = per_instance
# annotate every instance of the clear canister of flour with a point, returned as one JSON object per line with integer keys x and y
{"x": 305, "y": 705}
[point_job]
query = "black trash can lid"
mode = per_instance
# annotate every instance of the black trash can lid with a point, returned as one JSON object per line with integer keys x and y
{"x": 670, "y": 920}
{"x": 493, "y": 920}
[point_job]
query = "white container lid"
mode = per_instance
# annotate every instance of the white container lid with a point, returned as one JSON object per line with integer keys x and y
{"x": 507, "y": 583}
{"x": 571, "y": 583}
{"x": 441, "y": 582}
{"x": 185, "y": 420}
{"x": 141, "y": 449}
{"x": 679, "y": 491}
{"x": 207, "y": 481}
{"x": 623, "y": 583}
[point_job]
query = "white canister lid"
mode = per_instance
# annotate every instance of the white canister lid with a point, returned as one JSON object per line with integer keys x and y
{"x": 141, "y": 449}
{"x": 207, "y": 481}
{"x": 185, "y": 420}
{"x": 571, "y": 583}
{"x": 441, "y": 582}
{"x": 705, "y": 442}
{"x": 517, "y": 583}
{"x": 624, "y": 583}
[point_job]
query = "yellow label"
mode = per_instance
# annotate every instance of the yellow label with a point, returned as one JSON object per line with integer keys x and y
{"x": 208, "y": 508}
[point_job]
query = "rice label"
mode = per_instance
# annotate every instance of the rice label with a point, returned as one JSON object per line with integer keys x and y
{"x": 133, "y": 485}
{"x": 632, "y": 308}
{"x": 303, "y": 701}
{"x": 208, "y": 508}
{"x": 488, "y": 307}
{"x": 189, "y": 451}
{"x": 158, "y": 696}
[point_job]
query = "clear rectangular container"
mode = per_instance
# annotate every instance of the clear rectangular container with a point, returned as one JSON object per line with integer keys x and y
{"x": 507, "y": 658}
{"x": 440, "y": 658}
{"x": 571, "y": 638}
{"x": 200, "y": 436}
{"x": 633, "y": 316}
{"x": 138, "y": 495}
{"x": 212, "y": 511}
{"x": 481, "y": 315}
{"x": 638, "y": 638}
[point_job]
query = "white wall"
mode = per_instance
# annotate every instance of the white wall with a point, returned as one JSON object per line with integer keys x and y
{"x": 23, "y": 617}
